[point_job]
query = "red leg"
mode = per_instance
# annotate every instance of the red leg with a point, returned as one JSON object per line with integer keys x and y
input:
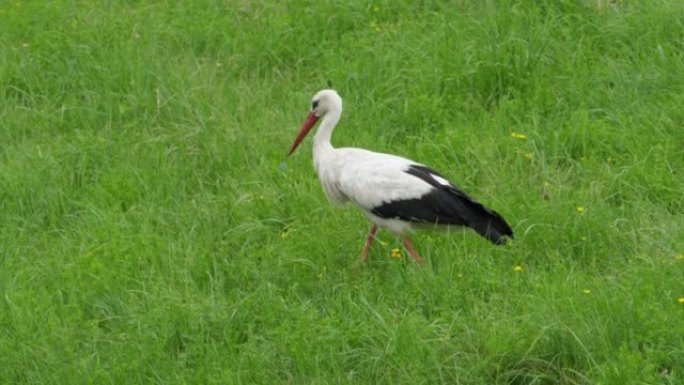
{"x": 369, "y": 242}
{"x": 412, "y": 251}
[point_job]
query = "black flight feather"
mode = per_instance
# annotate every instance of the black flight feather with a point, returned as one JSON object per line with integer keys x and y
{"x": 446, "y": 205}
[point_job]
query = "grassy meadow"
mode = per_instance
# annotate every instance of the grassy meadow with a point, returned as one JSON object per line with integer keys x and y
{"x": 149, "y": 235}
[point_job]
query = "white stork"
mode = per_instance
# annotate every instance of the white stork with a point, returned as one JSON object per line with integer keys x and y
{"x": 394, "y": 192}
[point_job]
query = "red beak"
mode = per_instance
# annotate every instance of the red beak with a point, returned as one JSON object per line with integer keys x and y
{"x": 306, "y": 127}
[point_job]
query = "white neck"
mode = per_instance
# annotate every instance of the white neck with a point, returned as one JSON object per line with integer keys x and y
{"x": 321, "y": 141}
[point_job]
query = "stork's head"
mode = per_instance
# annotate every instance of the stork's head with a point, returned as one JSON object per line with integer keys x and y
{"x": 322, "y": 103}
{"x": 325, "y": 101}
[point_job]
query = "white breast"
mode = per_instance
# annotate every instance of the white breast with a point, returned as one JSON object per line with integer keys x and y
{"x": 328, "y": 167}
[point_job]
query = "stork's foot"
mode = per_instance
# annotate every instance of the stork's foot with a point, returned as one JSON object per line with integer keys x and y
{"x": 369, "y": 242}
{"x": 413, "y": 253}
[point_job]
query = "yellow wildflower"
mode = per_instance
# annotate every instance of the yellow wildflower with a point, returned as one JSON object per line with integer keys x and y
{"x": 518, "y": 268}
{"x": 396, "y": 254}
{"x": 283, "y": 235}
{"x": 680, "y": 300}
{"x": 679, "y": 257}
{"x": 517, "y": 135}
{"x": 580, "y": 209}
{"x": 586, "y": 291}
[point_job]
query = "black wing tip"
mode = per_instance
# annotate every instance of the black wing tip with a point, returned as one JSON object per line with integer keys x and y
{"x": 497, "y": 230}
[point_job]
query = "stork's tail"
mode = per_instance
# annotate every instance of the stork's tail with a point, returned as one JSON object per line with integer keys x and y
{"x": 486, "y": 222}
{"x": 493, "y": 227}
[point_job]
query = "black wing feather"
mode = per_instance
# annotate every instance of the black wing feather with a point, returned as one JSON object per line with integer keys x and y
{"x": 446, "y": 205}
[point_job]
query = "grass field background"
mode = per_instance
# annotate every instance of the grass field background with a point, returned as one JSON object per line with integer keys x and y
{"x": 148, "y": 234}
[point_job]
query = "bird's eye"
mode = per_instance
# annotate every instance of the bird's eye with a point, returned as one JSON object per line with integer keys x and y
{"x": 314, "y": 104}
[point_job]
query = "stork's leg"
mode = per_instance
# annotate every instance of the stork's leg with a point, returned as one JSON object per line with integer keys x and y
{"x": 413, "y": 253}
{"x": 369, "y": 242}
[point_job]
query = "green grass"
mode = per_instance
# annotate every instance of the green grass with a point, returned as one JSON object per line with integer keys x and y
{"x": 147, "y": 234}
